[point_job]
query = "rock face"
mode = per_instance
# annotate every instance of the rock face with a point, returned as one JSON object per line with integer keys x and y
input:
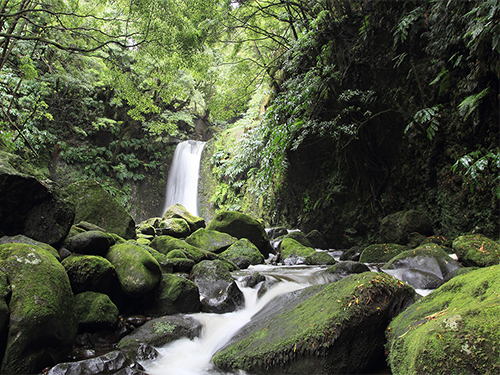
{"x": 242, "y": 226}
{"x": 397, "y": 227}
{"x": 96, "y": 206}
{"x": 32, "y": 207}
{"x": 219, "y": 291}
{"x": 453, "y": 330}
{"x": 336, "y": 328}
{"x": 41, "y": 309}
{"x": 137, "y": 270}
{"x": 477, "y": 250}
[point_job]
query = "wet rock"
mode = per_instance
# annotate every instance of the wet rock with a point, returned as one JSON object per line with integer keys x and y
{"x": 347, "y": 268}
{"x": 137, "y": 270}
{"x": 95, "y": 205}
{"x": 211, "y": 240}
{"x": 274, "y": 233}
{"x": 240, "y": 225}
{"x": 352, "y": 254}
{"x": 178, "y": 211}
{"x": 453, "y": 330}
{"x": 20, "y": 238}
{"x": 89, "y": 273}
{"x": 165, "y": 244}
{"x": 173, "y": 295}
{"x": 299, "y": 237}
{"x": 159, "y": 332}
{"x": 219, "y": 291}
{"x": 424, "y": 267}
{"x": 91, "y": 243}
{"x": 477, "y": 250}
{"x": 243, "y": 248}
{"x": 250, "y": 281}
{"x": 41, "y": 309}
{"x": 336, "y": 328}
{"x": 110, "y": 363}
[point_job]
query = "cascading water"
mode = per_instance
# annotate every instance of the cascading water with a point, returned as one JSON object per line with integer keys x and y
{"x": 182, "y": 184}
{"x": 193, "y": 357}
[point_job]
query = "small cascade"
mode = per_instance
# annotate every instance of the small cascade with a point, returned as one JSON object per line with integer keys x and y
{"x": 182, "y": 184}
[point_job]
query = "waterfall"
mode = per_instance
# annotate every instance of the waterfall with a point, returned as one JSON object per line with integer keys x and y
{"x": 182, "y": 184}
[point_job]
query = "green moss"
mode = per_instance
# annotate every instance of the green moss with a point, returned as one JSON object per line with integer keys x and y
{"x": 381, "y": 253}
{"x": 176, "y": 254}
{"x": 163, "y": 327}
{"x": 453, "y": 330}
{"x": 428, "y": 250}
{"x": 95, "y": 309}
{"x": 289, "y": 247}
{"x": 165, "y": 244}
{"x": 477, "y": 250}
{"x": 211, "y": 240}
{"x": 314, "y": 325}
{"x": 244, "y": 248}
{"x": 319, "y": 258}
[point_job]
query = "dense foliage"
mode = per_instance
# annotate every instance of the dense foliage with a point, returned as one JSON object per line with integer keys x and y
{"x": 331, "y": 114}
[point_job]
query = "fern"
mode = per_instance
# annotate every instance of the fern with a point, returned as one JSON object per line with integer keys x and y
{"x": 471, "y": 103}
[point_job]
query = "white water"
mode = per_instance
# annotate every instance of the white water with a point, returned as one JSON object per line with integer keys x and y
{"x": 182, "y": 184}
{"x": 193, "y": 357}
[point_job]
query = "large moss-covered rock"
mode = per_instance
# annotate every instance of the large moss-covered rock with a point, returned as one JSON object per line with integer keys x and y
{"x": 95, "y": 205}
{"x": 381, "y": 253}
{"x": 165, "y": 244}
{"x": 137, "y": 270}
{"x": 41, "y": 309}
{"x": 291, "y": 248}
{"x": 396, "y": 228}
{"x": 178, "y": 211}
{"x": 20, "y": 238}
{"x": 175, "y": 227}
{"x": 243, "y": 248}
{"x": 319, "y": 258}
{"x": 89, "y": 273}
{"x": 425, "y": 267}
{"x": 240, "y": 225}
{"x": 159, "y": 332}
{"x": 95, "y": 310}
{"x": 336, "y": 328}
{"x": 31, "y": 206}
{"x": 218, "y": 290}
{"x": 92, "y": 242}
{"x": 173, "y": 295}
{"x": 211, "y": 240}
{"x": 453, "y": 330}
{"x": 477, "y": 250}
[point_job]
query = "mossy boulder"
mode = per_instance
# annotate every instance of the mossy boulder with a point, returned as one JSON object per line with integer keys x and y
{"x": 95, "y": 205}
{"x": 89, "y": 273}
{"x": 33, "y": 206}
{"x": 424, "y": 267}
{"x": 396, "y": 228}
{"x": 173, "y": 295}
{"x": 316, "y": 239}
{"x": 93, "y": 242}
{"x": 178, "y": 211}
{"x": 41, "y": 309}
{"x": 381, "y": 253}
{"x": 352, "y": 254}
{"x": 477, "y": 250}
{"x": 20, "y": 238}
{"x": 336, "y": 328}
{"x": 137, "y": 270}
{"x": 240, "y": 225}
{"x": 159, "y": 332}
{"x": 95, "y": 310}
{"x": 218, "y": 290}
{"x": 211, "y": 240}
{"x": 299, "y": 237}
{"x": 165, "y": 244}
{"x": 175, "y": 227}
{"x": 162, "y": 259}
{"x": 319, "y": 258}
{"x": 243, "y": 248}
{"x": 293, "y": 250}
{"x": 347, "y": 267}
{"x": 453, "y": 330}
